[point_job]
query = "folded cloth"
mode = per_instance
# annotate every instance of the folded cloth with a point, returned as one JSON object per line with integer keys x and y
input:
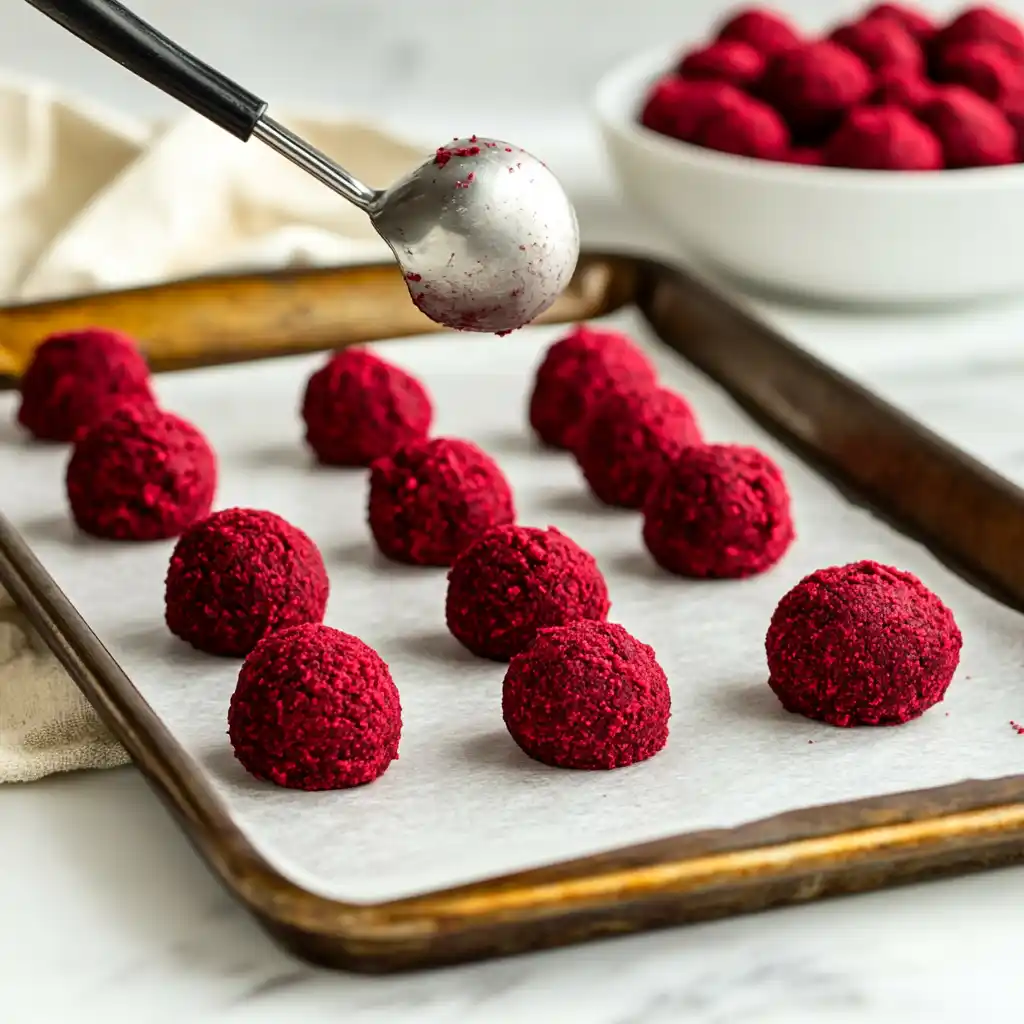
{"x": 93, "y": 200}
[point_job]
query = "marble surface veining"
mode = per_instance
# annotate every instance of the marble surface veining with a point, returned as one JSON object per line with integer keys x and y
{"x": 105, "y": 912}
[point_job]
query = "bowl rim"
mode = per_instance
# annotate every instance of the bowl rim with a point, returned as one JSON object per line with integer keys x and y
{"x": 616, "y": 101}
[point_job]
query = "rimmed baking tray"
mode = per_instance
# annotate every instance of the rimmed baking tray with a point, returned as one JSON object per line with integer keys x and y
{"x": 967, "y": 515}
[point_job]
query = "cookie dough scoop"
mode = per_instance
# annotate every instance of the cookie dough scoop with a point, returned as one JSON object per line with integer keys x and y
{"x": 483, "y": 232}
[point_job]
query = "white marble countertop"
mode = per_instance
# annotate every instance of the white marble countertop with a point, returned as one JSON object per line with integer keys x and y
{"x": 105, "y": 912}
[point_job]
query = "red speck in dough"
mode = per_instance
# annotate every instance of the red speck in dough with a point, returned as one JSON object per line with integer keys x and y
{"x": 986, "y": 69}
{"x": 141, "y": 474}
{"x": 884, "y": 139}
{"x": 981, "y": 25}
{"x": 587, "y": 695}
{"x": 718, "y": 512}
{"x": 972, "y": 131}
{"x": 515, "y": 580}
{"x": 429, "y": 499}
{"x": 725, "y": 61}
{"x": 77, "y": 378}
{"x": 814, "y": 86}
{"x": 767, "y": 32}
{"x": 861, "y": 644}
{"x": 358, "y": 407}
{"x": 240, "y": 575}
{"x": 314, "y": 709}
{"x": 881, "y": 43}
{"x": 628, "y": 441}
{"x": 576, "y": 374}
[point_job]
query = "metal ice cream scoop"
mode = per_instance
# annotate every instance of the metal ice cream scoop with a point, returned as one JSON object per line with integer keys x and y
{"x": 483, "y": 231}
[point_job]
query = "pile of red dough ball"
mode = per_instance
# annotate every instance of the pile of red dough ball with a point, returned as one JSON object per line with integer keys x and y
{"x": 315, "y": 708}
{"x": 891, "y": 91}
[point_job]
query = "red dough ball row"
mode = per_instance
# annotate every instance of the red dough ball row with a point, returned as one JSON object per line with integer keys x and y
{"x": 890, "y": 91}
{"x": 315, "y": 708}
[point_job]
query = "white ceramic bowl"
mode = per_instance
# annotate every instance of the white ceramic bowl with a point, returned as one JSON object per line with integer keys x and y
{"x": 823, "y": 233}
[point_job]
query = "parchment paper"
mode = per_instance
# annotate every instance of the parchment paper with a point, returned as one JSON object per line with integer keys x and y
{"x": 462, "y": 802}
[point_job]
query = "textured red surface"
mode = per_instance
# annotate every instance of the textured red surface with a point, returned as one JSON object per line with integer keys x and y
{"x": 240, "y": 575}
{"x": 577, "y": 372}
{"x": 815, "y": 85}
{"x": 77, "y": 378}
{"x": 972, "y": 131}
{"x": 986, "y": 69}
{"x": 718, "y": 511}
{"x": 745, "y": 127}
{"x": 429, "y": 499}
{"x": 861, "y": 644}
{"x": 359, "y": 407}
{"x": 884, "y": 139}
{"x": 807, "y": 156}
{"x": 313, "y": 709}
{"x": 916, "y": 22}
{"x": 629, "y": 439}
{"x": 516, "y": 580}
{"x": 724, "y": 61}
{"x": 881, "y": 43}
{"x": 981, "y": 25}
{"x": 679, "y": 108}
{"x": 901, "y": 87}
{"x": 768, "y": 32}
{"x": 141, "y": 474}
{"x": 587, "y": 695}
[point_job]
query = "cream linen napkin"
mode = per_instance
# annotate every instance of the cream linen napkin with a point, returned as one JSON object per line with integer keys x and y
{"x": 92, "y": 200}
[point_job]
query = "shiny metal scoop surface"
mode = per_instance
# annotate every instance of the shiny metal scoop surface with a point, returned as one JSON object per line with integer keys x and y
{"x": 485, "y": 235}
{"x": 483, "y": 232}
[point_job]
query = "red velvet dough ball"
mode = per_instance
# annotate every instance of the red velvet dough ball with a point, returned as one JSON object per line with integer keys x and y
{"x": 578, "y": 371}
{"x": 986, "y": 69}
{"x": 516, "y": 580}
{"x": 77, "y": 378}
{"x": 916, "y": 22}
{"x": 718, "y": 512}
{"x": 981, "y": 25}
{"x": 902, "y": 87}
{"x": 884, "y": 139}
{"x": 240, "y": 575}
{"x": 587, "y": 695}
{"x": 767, "y": 32}
{"x": 359, "y": 407}
{"x": 745, "y": 127}
{"x": 429, "y": 499}
{"x": 629, "y": 440}
{"x": 815, "y": 85}
{"x": 313, "y": 709}
{"x": 679, "y": 108}
{"x": 141, "y": 474}
{"x": 881, "y": 43}
{"x": 729, "y": 61}
{"x": 972, "y": 131}
{"x": 861, "y": 644}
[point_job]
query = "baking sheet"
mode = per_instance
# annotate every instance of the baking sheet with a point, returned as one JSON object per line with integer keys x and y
{"x": 462, "y": 802}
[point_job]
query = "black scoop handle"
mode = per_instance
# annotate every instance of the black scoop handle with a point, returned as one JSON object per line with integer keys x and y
{"x": 127, "y": 39}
